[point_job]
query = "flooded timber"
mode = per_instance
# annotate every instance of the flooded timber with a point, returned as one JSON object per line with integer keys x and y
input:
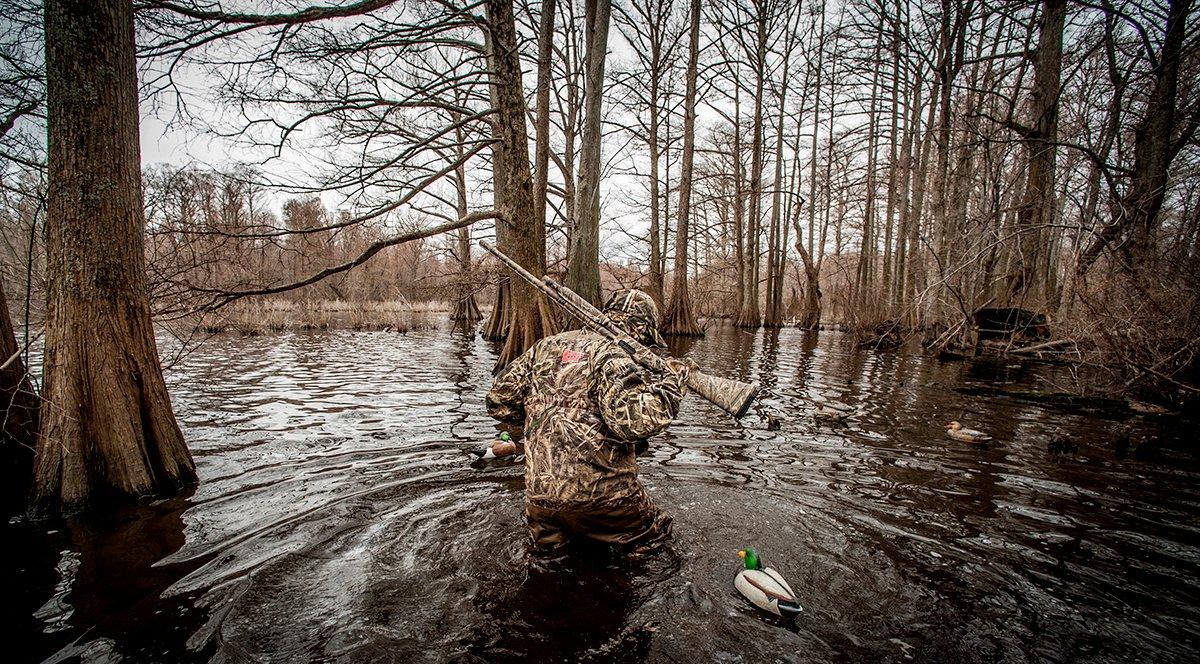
{"x": 339, "y": 519}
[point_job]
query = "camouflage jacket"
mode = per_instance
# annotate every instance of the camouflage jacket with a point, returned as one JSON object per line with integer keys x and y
{"x": 585, "y": 404}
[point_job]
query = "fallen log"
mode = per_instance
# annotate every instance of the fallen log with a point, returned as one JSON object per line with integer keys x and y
{"x": 1057, "y": 343}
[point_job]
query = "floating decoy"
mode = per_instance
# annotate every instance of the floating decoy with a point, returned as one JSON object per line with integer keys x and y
{"x": 957, "y": 432}
{"x": 830, "y": 413}
{"x": 500, "y": 448}
{"x": 764, "y": 587}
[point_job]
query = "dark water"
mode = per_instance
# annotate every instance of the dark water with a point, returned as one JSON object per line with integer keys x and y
{"x": 338, "y": 519}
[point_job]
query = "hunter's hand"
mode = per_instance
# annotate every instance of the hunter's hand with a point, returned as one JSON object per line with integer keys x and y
{"x": 680, "y": 367}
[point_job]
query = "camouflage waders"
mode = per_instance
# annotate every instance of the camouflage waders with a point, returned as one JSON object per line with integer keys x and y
{"x": 585, "y": 405}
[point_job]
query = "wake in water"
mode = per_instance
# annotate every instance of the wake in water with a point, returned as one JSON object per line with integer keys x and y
{"x": 339, "y": 517}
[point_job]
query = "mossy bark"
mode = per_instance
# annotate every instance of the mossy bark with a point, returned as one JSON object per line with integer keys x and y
{"x": 528, "y": 316}
{"x": 107, "y": 430}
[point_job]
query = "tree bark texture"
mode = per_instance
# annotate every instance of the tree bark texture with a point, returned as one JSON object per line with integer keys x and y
{"x": 529, "y": 315}
{"x": 679, "y": 319}
{"x": 1030, "y": 275}
{"x": 20, "y": 412}
{"x": 496, "y": 326}
{"x": 108, "y": 430}
{"x": 583, "y": 267}
{"x": 542, "y": 129}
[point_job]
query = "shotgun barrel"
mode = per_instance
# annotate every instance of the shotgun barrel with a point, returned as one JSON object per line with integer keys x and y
{"x": 732, "y": 396}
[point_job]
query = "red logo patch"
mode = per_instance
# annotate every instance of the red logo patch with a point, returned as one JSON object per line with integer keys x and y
{"x": 570, "y": 356}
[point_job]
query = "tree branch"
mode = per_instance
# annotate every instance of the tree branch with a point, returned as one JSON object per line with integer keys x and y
{"x": 223, "y": 297}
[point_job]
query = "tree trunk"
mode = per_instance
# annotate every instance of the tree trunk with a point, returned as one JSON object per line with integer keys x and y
{"x": 466, "y": 311}
{"x": 917, "y": 273}
{"x": 1029, "y": 277}
{"x": 541, "y": 167}
{"x": 867, "y": 307}
{"x": 583, "y": 266}
{"x": 496, "y": 327}
{"x": 810, "y": 318}
{"x": 942, "y": 308}
{"x": 750, "y": 314}
{"x": 20, "y": 404}
{"x": 776, "y": 244}
{"x": 679, "y": 318}
{"x": 738, "y": 207}
{"x": 894, "y": 168}
{"x": 1152, "y": 155}
{"x": 529, "y": 316}
{"x": 810, "y": 305}
{"x": 1153, "y": 147}
{"x": 656, "y": 270}
{"x": 108, "y": 429}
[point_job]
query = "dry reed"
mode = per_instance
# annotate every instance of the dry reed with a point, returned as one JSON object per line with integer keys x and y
{"x": 250, "y": 318}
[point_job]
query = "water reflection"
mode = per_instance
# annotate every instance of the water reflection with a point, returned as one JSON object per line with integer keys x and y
{"x": 102, "y": 573}
{"x": 339, "y": 519}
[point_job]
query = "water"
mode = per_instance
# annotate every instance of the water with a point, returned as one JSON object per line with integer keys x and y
{"x": 339, "y": 519}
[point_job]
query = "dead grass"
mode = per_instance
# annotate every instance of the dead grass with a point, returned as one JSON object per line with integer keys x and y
{"x": 251, "y": 318}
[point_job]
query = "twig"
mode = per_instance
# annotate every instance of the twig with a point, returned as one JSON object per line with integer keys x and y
{"x": 1042, "y": 346}
{"x": 13, "y": 358}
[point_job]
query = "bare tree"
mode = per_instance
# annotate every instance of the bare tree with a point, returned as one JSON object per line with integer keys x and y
{"x": 107, "y": 428}
{"x": 1037, "y": 212}
{"x": 679, "y": 319}
{"x": 530, "y": 317}
{"x": 651, "y": 29}
{"x": 583, "y": 253}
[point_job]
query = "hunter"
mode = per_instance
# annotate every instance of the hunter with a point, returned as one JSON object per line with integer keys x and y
{"x": 585, "y": 406}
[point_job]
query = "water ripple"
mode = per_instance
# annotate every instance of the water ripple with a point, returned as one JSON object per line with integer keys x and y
{"x": 338, "y": 519}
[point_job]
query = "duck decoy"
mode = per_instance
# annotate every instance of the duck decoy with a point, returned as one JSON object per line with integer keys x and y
{"x": 765, "y": 587}
{"x": 830, "y": 413}
{"x": 957, "y": 432}
{"x": 500, "y": 448}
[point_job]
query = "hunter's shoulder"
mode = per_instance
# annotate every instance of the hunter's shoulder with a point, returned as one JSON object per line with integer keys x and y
{"x": 577, "y": 339}
{"x": 575, "y": 344}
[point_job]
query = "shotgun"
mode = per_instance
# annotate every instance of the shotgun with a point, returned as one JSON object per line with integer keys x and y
{"x": 732, "y": 396}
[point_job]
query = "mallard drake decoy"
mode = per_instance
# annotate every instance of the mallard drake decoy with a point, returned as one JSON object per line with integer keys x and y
{"x": 765, "y": 587}
{"x": 957, "y": 432}
{"x": 500, "y": 448}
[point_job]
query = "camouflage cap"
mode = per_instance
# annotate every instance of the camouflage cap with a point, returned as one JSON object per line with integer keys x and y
{"x": 639, "y": 310}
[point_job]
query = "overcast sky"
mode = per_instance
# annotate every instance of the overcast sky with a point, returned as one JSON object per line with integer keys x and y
{"x": 165, "y": 141}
